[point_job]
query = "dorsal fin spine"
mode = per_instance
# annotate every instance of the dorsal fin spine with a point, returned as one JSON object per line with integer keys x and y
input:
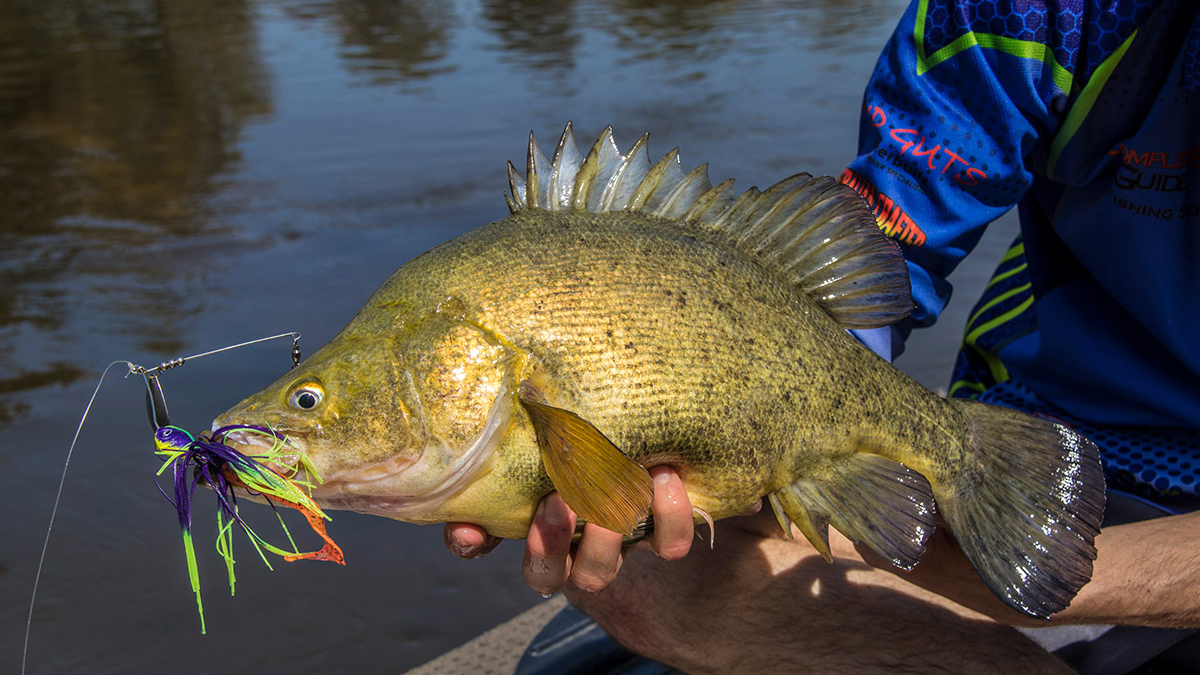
{"x": 721, "y": 194}
{"x": 516, "y": 183}
{"x": 564, "y": 170}
{"x": 604, "y": 152}
{"x": 534, "y": 161}
{"x": 628, "y": 176}
{"x": 694, "y": 185}
{"x": 652, "y": 181}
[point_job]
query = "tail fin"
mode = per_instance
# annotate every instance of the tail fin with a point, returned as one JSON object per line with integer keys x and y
{"x": 1027, "y": 509}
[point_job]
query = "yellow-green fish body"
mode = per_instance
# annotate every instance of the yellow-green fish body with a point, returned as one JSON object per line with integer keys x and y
{"x": 634, "y": 307}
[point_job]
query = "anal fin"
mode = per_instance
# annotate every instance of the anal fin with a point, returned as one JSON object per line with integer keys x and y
{"x": 874, "y": 501}
{"x": 598, "y": 481}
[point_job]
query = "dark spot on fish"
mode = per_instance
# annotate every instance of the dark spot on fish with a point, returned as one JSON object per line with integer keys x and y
{"x": 608, "y": 333}
{"x": 629, "y": 345}
{"x": 647, "y": 251}
{"x": 787, "y": 397}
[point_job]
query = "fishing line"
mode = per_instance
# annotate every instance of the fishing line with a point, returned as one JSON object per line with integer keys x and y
{"x": 148, "y": 374}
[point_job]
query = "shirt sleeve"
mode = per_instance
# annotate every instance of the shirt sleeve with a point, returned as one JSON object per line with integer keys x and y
{"x": 950, "y": 129}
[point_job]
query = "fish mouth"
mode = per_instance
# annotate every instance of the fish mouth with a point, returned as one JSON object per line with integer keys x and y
{"x": 271, "y": 448}
{"x": 282, "y": 452}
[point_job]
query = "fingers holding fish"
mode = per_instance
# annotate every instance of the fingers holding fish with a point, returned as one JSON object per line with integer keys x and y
{"x": 547, "y": 561}
{"x": 673, "y": 526}
{"x": 597, "y": 559}
{"x": 593, "y": 563}
{"x": 469, "y": 541}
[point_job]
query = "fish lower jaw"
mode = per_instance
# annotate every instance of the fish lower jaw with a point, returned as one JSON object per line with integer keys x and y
{"x": 410, "y": 509}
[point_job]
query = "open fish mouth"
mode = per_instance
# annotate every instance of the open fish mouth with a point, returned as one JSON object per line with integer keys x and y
{"x": 280, "y": 452}
{"x": 270, "y": 448}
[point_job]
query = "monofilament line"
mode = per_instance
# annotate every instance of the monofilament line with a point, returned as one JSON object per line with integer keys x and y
{"x": 54, "y": 511}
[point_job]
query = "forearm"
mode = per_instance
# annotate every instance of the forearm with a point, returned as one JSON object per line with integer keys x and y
{"x": 1146, "y": 574}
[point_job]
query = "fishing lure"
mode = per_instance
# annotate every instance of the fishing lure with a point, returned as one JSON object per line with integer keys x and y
{"x": 207, "y": 460}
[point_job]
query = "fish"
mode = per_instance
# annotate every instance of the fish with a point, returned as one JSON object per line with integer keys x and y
{"x": 627, "y": 314}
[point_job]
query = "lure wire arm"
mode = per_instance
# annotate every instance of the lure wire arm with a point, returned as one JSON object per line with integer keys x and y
{"x": 179, "y": 361}
{"x": 156, "y": 403}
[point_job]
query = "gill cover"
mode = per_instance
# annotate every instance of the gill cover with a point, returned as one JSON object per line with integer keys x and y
{"x": 463, "y": 384}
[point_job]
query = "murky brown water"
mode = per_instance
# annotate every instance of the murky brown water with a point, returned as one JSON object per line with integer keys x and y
{"x": 179, "y": 175}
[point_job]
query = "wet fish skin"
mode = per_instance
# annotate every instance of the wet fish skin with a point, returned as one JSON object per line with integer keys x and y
{"x": 682, "y": 344}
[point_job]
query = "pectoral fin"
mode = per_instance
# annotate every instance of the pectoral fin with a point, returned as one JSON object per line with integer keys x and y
{"x": 598, "y": 481}
{"x": 874, "y": 501}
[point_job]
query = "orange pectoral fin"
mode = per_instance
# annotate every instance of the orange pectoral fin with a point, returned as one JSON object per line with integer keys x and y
{"x": 593, "y": 476}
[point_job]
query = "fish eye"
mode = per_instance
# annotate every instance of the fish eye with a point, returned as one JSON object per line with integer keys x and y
{"x": 306, "y": 396}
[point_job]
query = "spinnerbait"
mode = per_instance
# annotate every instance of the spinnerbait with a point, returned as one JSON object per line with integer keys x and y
{"x": 207, "y": 459}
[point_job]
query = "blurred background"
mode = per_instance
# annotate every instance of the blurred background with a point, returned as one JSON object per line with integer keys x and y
{"x": 180, "y": 175}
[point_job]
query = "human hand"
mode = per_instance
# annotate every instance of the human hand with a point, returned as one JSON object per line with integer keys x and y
{"x": 592, "y": 564}
{"x": 757, "y": 602}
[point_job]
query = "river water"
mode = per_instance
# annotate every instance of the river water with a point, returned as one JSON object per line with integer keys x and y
{"x": 180, "y": 175}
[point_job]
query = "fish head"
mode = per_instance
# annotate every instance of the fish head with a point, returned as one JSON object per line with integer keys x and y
{"x": 394, "y": 417}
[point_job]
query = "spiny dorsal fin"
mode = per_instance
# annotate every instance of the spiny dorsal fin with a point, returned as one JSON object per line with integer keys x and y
{"x": 815, "y": 232}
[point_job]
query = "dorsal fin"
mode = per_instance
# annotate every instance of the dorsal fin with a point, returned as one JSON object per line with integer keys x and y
{"x": 816, "y": 233}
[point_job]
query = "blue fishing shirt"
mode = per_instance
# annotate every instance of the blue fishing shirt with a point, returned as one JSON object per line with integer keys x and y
{"x": 1085, "y": 115}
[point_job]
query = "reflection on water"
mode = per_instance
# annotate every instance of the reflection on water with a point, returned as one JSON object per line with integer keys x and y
{"x": 116, "y": 120}
{"x": 179, "y": 175}
{"x": 538, "y": 34}
{"x": 387, "y": 41}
